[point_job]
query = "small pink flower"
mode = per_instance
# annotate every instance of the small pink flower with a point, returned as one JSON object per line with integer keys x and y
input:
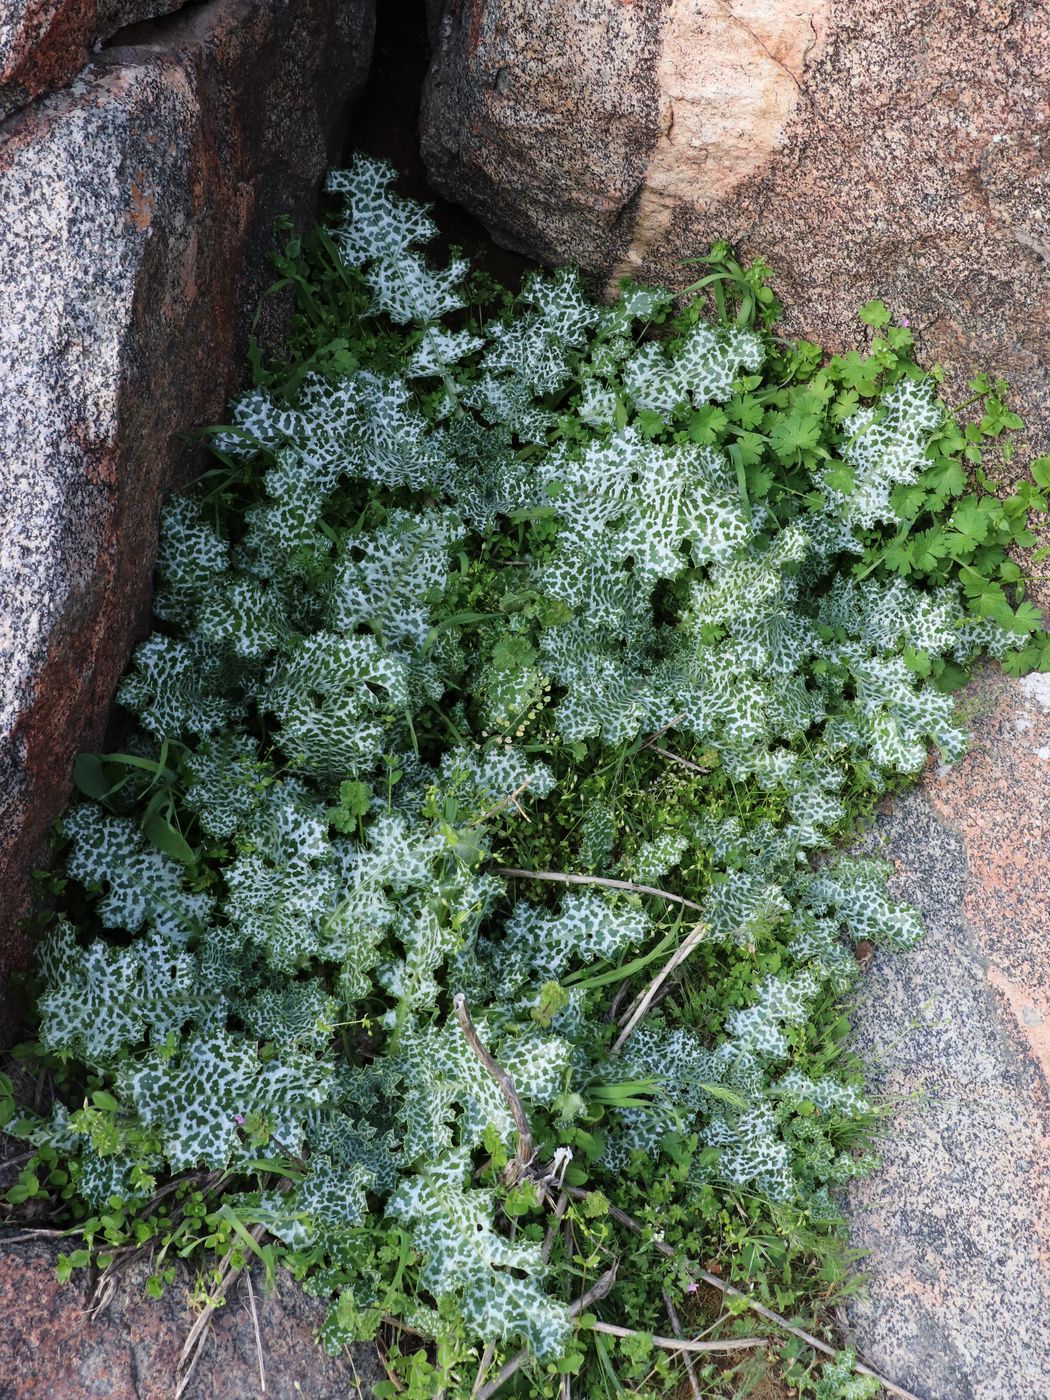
{"x": 692, "y": 1287}
{"x": 238, "y": 1118}
{"x": 905, "y": 321}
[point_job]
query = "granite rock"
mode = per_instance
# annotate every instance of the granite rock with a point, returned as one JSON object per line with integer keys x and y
{"x": 540, "y": 118}
{"x": 52, "y": 1349}
{"x": 45, "y": 43}
{"x": 957, "y": 1222}
{"x": 136, "y": 211}
{"x": 863, "y": 148}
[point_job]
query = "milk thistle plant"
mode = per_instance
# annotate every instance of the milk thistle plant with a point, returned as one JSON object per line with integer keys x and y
{"x": 451, "y": 930}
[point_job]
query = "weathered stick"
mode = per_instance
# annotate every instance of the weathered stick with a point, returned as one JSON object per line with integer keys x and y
{"x": 511, "y": 797}
{"x": 679, "y": 1344}
{"x": 552, "y": 1230}
{"x": 676, "y": 1328}
{"x": 41, "y": 1231}
{"x": 558, "y": 877}
{"x": 198, "y": 1334}
{"x": 677, "y": 758}
{"x": 642, "y": 1004}
{"x": 483, "y": 1367}
{"x": 258, "y": 1336}
{"x": 523, "y": 1155}
{"x": 659, "y": 733}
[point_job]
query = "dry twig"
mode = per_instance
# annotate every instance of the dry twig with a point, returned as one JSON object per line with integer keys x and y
{"x": 24, "y": 1235}
{"x": 198, "y": 1334}
{"x": 560, "y": 878}
{"x": 678, "y": 1344}
{"x": 643, "y": 1002}
{"x": 676, "y": 1328}
{"x": 17, "y": 1161}
{"x": 399, "y": 1326}
{"x": 483, "y": 1368}
{"x": 105, "y": 1290}
{"x": 511, "y": 798}
{"x": 682, "y": 762}
{"x": 614, "y": 1010}
{"x": 258, "y": 1336}
{"x": 519, "y": 1162}
{"x": 552, "y": 1230}
{"x": 659, "y": 733}
{"x": 386, "y": 1367}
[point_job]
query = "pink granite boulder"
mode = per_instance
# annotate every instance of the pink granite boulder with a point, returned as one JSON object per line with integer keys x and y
{"x": 52, "y": 1349}
{"x": 45, "y": 43}
{"x": 956, "y": 1225}
{"x": 136, "y": 212}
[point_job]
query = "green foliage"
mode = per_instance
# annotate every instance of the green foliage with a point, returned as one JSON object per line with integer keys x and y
{"x": 640, "y": 593}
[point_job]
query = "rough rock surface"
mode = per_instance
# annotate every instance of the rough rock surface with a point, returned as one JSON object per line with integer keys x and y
{"x": 863, "y": 148}
{"x": 51, "y": 1350}
{"x": 540, "y": 119}
{"x": 45, "y": 43}
{"x": 136, "y": 209}
{"x": 958, "y": 1221}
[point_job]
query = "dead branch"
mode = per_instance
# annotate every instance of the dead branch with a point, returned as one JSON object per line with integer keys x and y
{"x": 381, "y": 1353}
{"x": 517, "y": 1165}
{"x": 511, "y": 798}
{"x": 40, "y": 1232}
{"x": 258, "y": 1336}
{"x": 552, "y": 1230}
{"x": 676, "y": 1328}
{"x": 678, "y": 1344}
{"x": 198, "y": 1333}
{"x": 560, "y": 878}
{"x": 659, "y": 733}
{"x": 483, "y": 1368}
{"x": 642, "y": 1004}
{"x": 677, "y": 758}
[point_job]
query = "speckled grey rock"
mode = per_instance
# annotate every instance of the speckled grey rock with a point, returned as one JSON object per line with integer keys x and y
{"x": 540, "y": 118}
{"x": 957, "y": 1223}
{"x": 136, "y": 210}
